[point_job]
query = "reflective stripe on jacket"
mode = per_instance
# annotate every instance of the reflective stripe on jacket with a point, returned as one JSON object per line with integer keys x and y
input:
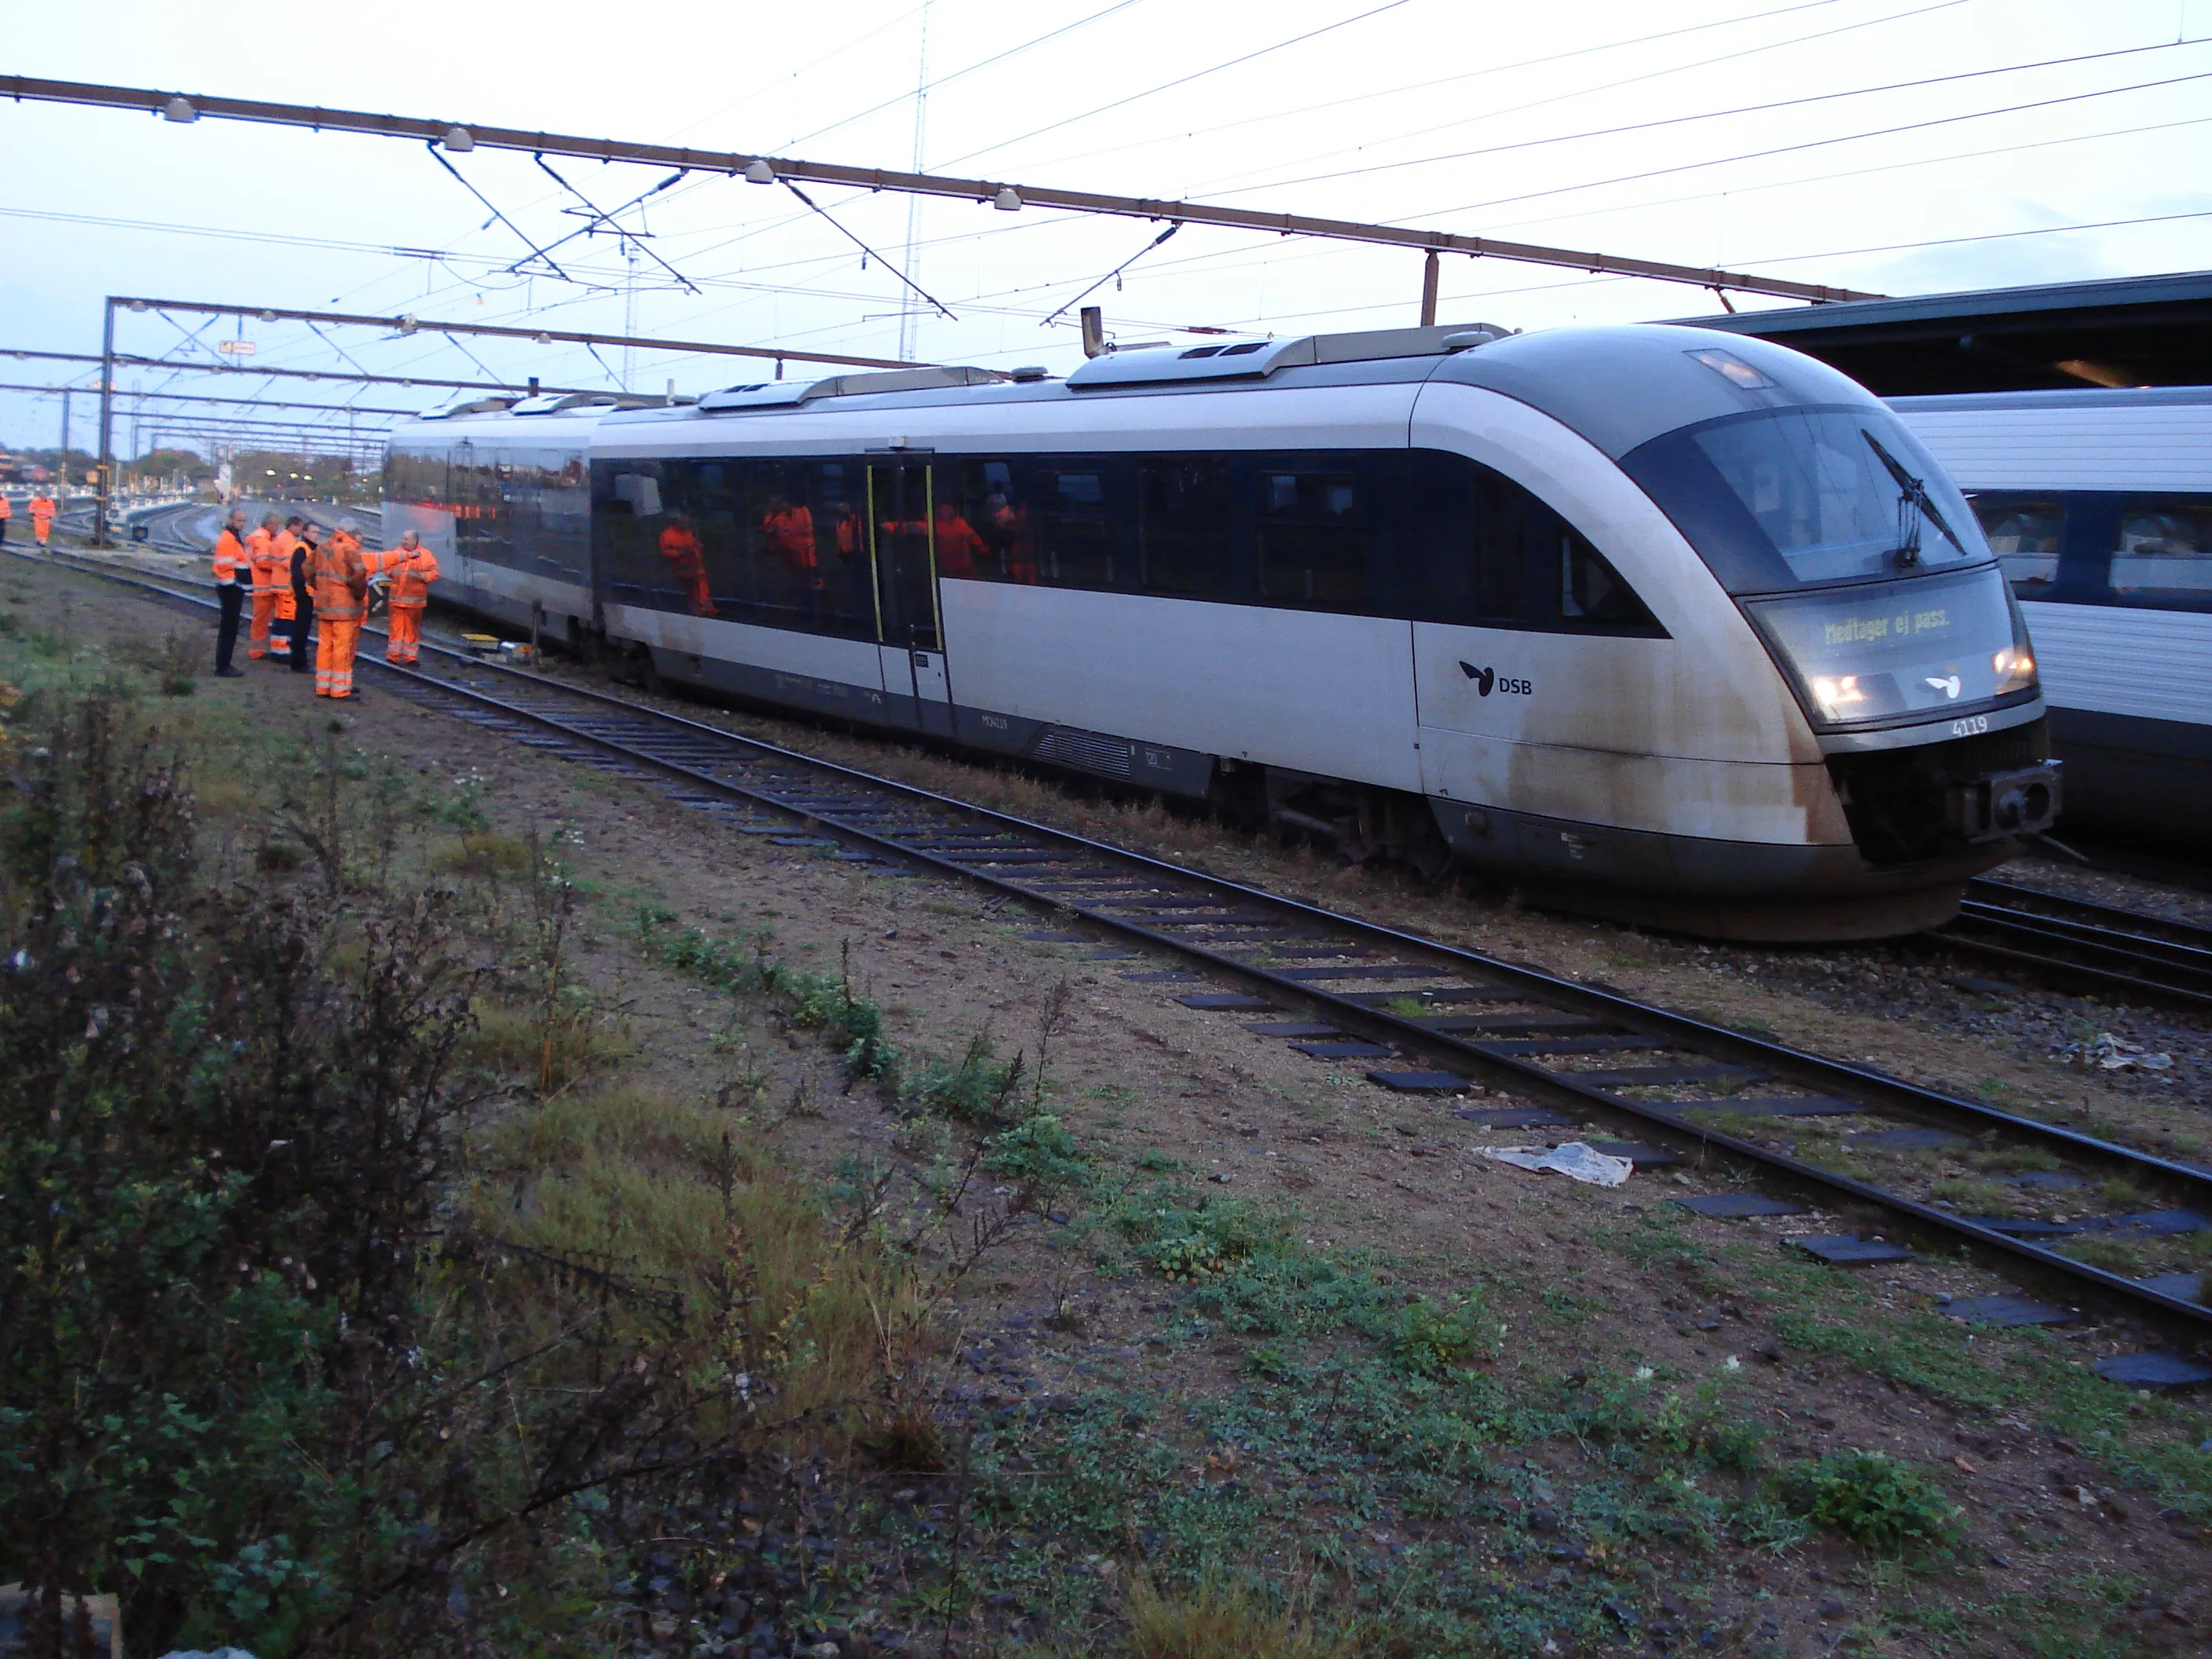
{"x": 229, "y": 556}
{"x": 269, "y": 573}
{"x": 340, "y": 579}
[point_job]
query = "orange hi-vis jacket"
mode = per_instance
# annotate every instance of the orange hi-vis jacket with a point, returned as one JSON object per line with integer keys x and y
{"x": 229, "y": 556}
{"x": 6, "y": 511}
{"x": 261, "y": 560}
{"x": 42, "y": 506}
{"x": 789, "y": 533}
{"x": 408, "y": 576}
{"x": 339, "y": 578}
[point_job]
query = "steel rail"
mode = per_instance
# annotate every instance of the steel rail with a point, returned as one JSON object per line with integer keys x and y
{"x": 2084, "y": 947}
{"x": 1901, "y": 1098}
{"x": 767, "y": 169}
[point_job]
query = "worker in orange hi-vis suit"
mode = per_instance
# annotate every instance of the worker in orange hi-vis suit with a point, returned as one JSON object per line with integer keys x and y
{"x": 232, "y": 573}
{"x": 269, "y": 579}
{"x": 340, "y": 581}
{"x": 281, "y": 547}
{"x": 789, "y": 533}
{"x": 7, "y": 511}
{"x": 408, "y": 570}
{"x": 679, "y": 545}
{"x": 42, "y": 516}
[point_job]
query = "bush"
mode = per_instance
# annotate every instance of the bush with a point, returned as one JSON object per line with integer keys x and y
{"x": 273, "y": 1370}
{"x": 1875, "y": 1500}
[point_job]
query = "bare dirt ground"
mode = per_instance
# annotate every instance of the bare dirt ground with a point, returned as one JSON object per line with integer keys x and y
{"x": 2084, "y": 1511}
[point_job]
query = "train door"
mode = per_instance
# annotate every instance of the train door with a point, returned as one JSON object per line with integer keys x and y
{"x": 901, "y": 528}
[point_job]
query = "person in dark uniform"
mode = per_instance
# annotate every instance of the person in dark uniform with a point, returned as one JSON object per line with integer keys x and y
{"x": 303, "y": 601}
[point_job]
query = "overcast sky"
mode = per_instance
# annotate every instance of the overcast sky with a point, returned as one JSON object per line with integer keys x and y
{"x": 1637, "y": 129}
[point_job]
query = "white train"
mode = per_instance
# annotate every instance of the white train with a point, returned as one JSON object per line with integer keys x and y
{"x": 2098, "y": 506}
{"x": 1662, "y": 627}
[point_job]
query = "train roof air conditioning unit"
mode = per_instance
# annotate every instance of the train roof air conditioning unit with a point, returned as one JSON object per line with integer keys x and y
{"x": 787, "y": 394}
{"x": 1254, "y": 360}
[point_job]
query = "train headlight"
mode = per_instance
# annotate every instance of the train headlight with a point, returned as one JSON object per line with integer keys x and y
{"x": 1836, "y": 696}
{"x": 2015, "y": 669}
{"x": 2015, "y": 663}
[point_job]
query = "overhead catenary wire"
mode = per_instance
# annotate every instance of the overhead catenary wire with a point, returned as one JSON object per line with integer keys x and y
{"x": 539, "y": 252}
{"x": 1123, "y": 146}
{"x": 866, "y": 250}
{"x": 1821, "y": 144}
{"x": 947, "y": 80}
{"x": 1370, "y": 169}
{"x": 1180, "y": 80}
{"x": 1061, "y": 310}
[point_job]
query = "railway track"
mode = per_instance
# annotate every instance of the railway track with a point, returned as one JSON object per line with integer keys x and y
{"x": 2075, "y": 944}
{"x": 1424, "y": 1018}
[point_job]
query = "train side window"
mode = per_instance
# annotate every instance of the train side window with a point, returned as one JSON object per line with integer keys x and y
{"x": 1591, "y": 591}
{"x": 1074, "y": 527}
{"x": 999, "y": 541}
{"x": 1313, "y": 539}
{"x": 2026, "y": 533}
{"x": 836, "y": 493}
{"x": 1187, "y": 542}
{"x": 626, "y": 516}
{"x": 2164, "y": 553}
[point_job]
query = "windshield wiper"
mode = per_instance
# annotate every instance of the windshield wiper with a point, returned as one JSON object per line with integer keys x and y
{"x": 1912, "y": 500}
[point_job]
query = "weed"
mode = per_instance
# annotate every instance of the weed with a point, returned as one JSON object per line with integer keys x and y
{"x": 978, "y": 1089}
{"x": 1974, "y": 1195}
{"x": 1876, "y": 1501}
{"x": 1218, "y": 1620}
{"x": 2016, "y": 1160}
{"x": 2122, "y": 1193}
{"x": 2127, "y": 1257}
{"x": 483, "y": 852}
{"x": 1432, "y": 1339}
{"x": 1043, "y": 1159}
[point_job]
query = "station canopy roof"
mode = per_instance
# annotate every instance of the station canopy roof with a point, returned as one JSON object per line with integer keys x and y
{"x": 2131, "y": 331}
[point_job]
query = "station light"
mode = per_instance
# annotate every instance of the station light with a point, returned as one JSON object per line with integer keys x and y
{"x": 179, "y": 108}
{"x": 407, "y": 324}
{"x": 758, "y": 171}
{"x": 268, "y": 316}
{"x": 1007, "y": 201}
{"x": 137, "y": 304}
{"x": 459, "y": 140}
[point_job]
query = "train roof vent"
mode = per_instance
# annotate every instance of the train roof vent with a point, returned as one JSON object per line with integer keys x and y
{"x": 784, "y": 394}
{"x": 1252, "y": 360}
{"x": 465, "y": 404}
{"x": 559, "y": 403}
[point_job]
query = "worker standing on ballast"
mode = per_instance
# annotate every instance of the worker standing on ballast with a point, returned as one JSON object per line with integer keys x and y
{"x": 341, "y": 590}
{"x": 232, "y": 569}
{"x": 407, "y": 570}
{"x": 302, "y": 591}
{"x": 42, "y": 516}
{"x": 284, "y": 544}
{"x": 271, "y": 578}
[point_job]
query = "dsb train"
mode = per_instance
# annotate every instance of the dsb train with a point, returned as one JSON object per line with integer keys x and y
{"x": 2099, "y": 505}
{"x": 1651, "y": 626}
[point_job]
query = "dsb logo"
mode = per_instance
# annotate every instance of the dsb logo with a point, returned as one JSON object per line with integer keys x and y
{"x": 1487, "y": 680}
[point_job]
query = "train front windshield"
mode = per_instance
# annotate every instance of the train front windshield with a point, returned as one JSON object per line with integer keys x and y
{"x": 1855, "y": 556}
